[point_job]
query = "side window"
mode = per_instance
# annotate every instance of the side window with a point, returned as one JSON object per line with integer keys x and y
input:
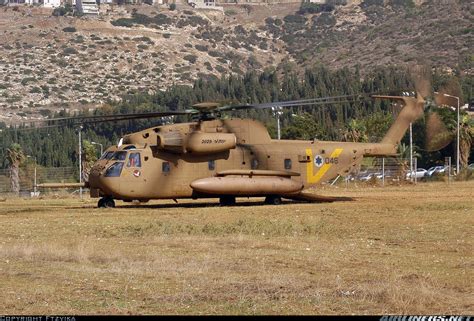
{"x": 165, "y": 167}
{"x": 134, "y": 160}
{"x": 211, "y": 165}
{"x": 287, "y": 163}
{"x": 114, "y": 170}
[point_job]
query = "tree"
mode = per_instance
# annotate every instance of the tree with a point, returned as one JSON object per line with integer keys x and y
{"x": 466, "y": 134}
{"x": 303, "y": 127}
{"x": 15, "y": 157}
{"x": 404, "y": 156}
{"x": 88, "y": 159}
{"x": 377, "y": 125}
{"x": 356, "y": 131}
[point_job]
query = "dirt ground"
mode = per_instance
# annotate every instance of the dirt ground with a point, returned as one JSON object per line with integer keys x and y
{"x": 394, "y": 250}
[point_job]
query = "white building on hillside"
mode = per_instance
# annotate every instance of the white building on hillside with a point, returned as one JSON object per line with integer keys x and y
{"x": 87, "y": 7}
{"x": 52, "y": 3}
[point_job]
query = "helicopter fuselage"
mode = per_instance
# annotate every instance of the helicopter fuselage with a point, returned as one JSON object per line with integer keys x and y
{"x": 213, "y": 158}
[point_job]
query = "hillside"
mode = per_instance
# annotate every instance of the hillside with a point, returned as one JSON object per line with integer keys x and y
{"x": 70, "y": 62}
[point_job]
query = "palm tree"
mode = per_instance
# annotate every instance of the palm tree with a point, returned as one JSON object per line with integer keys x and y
{"x": 466, "y": 132}
{"x": 356, "y": 131}
{"x": 89, "y": 156}
{"x": 15, "y": 157}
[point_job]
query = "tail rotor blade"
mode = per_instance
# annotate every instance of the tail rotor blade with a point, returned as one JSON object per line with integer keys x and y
{"x": 422, "y": 78}
{"x": 437, "y": 135}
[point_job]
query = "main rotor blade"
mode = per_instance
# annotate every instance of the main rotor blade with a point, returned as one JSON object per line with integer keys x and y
{"x": 295, "y": 103}
{"x": 106, "y": 118}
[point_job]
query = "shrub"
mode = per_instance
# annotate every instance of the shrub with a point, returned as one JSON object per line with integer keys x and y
{"x": 123, "y": 22}
{"x": 208, "y": 66}
{"x": 368, "y": 3}
{"x": 201, "y": 47}
{"x": 230, "y": 12}
{"x": 191, "y": 58}
{"x": 402, "y": 3}
{"x": 220, "y": 69}
{"x": 69, "y": 29}
{"x": 173, "y": 6}
{"x": 61, "y": 11}
{"x": 263, "y": 45}
{"x": 69, "y": 51}
{"x": 144, "y": 39}
{"x": 78, "y": 39}
{"x": 214, "y": 53}
{"x": 26, "y": 80}
{"x": 325, "y": 19}
{"x": 295, "y": 19}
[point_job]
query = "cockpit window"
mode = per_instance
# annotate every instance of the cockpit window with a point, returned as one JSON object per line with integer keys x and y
{"x": 120, "y": 156}
{"x": 134, "y": 160}
{"x": 129, "y": 147}
{"x": 107, "y": 155}
{"x": 114, "y": 170}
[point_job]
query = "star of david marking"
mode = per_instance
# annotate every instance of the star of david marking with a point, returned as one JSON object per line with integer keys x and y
{"x": 318, "y": 161}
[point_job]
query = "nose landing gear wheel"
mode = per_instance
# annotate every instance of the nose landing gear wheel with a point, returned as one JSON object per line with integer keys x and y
{"x": 106, "y": 202}
{"x": 273, "y": 200}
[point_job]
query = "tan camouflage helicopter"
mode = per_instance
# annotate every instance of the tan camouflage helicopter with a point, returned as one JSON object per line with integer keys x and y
{"x": 228, "y": 158}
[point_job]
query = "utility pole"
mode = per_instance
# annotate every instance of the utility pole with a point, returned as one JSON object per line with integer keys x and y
{"x": 411, "y": 152}
{"x": 34, "y": 185}
{"x": 80, "y": 159}
{"x": 277, "y": 112}
{"x": 278, "y": 124}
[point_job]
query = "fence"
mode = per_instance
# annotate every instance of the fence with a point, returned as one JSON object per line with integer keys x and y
{"x": 28, "y": 176}
{"x": 391, "y": 170}
{"x": 379, "y": 171}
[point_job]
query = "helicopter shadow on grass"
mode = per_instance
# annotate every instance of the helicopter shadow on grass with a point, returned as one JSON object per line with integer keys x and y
{"x": 204, "y": 205}
{"x": 188, "y": 204}
{"x": 192, "y": 205}
{"x": 246, "y": 203}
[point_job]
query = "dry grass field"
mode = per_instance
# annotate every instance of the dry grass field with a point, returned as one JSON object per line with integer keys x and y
{"x": 394, "y": 250}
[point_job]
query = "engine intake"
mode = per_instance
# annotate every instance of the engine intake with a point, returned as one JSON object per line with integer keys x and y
{"x": 171, "y": 141}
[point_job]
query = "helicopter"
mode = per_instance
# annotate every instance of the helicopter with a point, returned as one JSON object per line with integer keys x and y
{"x": 218, "y": 157}
{"x": 214, "y": 157}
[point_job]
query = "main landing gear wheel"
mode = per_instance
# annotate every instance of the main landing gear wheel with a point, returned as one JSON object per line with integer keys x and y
{"x": 273, "y": 200}
{"x": 227, "y": 200}
{"x": 106, "y": 202}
